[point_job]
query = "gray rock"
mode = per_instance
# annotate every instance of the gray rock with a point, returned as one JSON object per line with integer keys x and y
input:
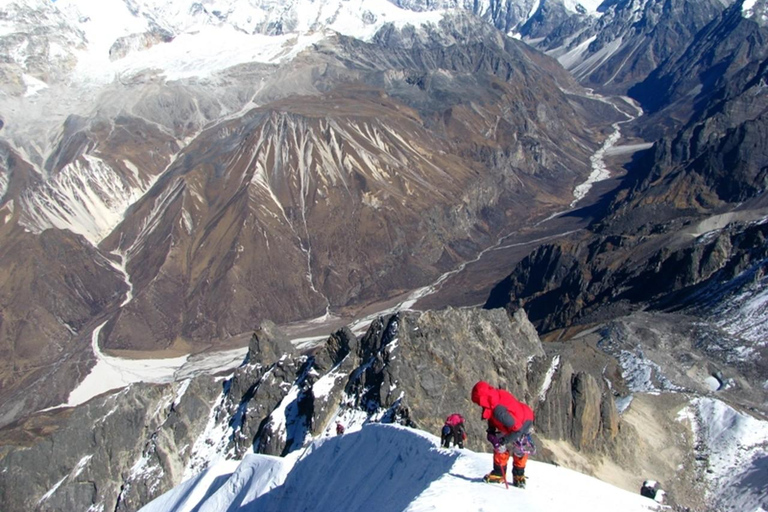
{"x": 117, "y": 451}
{"x": 268, "y": 344}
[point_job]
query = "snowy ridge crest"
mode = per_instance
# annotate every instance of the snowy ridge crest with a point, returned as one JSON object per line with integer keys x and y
{"x": 387, "y": 467}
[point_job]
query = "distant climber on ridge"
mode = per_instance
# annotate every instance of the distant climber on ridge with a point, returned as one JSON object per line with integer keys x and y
{"x": 509, "y": 426}
{"x": 453, "y": 429}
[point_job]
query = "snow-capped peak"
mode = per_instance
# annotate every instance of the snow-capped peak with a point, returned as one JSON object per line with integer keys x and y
{"x": 181, "y": 39}
{"x": 756, "y": 10}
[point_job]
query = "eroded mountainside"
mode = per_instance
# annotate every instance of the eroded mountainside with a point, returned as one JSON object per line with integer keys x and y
{"x": 326, "y": 171}
{"x": 342, "y": 177}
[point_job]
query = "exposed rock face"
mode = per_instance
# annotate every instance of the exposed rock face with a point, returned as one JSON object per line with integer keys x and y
{"x": 625, "y": 43}
{"x": 719, "y": 63}
{"x": 591, "y": 280}
{"x": 138, "y": 42}
{"x": 576, "y": 407}
{"x": 411, "y": 368}
{"x": 41, "y": 45}
{"x": 432, "y": 360}
{"x": 116, "y": 452}
{"x": 647, "y": 251}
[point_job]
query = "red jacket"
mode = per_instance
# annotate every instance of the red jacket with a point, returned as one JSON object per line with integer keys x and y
{"x": 488, "y": 397}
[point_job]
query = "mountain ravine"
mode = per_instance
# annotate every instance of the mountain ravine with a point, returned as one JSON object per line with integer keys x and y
{"x": 352, "y": 174}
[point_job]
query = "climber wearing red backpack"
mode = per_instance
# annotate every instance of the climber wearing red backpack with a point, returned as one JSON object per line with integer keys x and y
{"x": 509, "y": 426}
{"x": 453, "y": 429}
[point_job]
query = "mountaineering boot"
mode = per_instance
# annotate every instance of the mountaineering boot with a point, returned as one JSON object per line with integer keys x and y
{"x": 518, "y": 477}
{"x": 493, "y": 478}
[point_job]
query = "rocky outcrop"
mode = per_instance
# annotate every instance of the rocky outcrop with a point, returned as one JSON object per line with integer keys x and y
{"x": 621, "y": 47}
{"x": 598, "y": 278}
{"x": 411, "y": 368}
{"x": 577, "y": 407}
{"x": 115, "y": 452}
{"x": 123, "y": 46}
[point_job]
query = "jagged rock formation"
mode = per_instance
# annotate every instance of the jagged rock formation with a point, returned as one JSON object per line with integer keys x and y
{"x": 601, "y": 277}
{"x": 411, "y": 368}
{"x": 648, "y": 251}
{"x": 624, "y": 44}
{"x": 723, "y": 61}
{"x": 117, "y": 451}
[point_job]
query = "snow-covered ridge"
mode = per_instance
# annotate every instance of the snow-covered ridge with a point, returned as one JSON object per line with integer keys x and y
{"x": 211, "y": 36}
{"x": 756, "y": 10}
{"x": 733, "y": 447}
{"x": 384, "y": 468}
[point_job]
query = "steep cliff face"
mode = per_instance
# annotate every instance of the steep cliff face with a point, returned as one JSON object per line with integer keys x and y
{"x": 624, "y": 43}
{"x": 709, "y": 169}
{"x": 716, "y": 64}
{"x": 116, "y": 451}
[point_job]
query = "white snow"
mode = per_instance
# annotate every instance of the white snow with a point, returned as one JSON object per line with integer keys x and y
{"x": 747, "y": 8}
{"x": 584, "y": 66}
{"x": 113, "y": 373}
{"x": 627, "y": 149}
{"x": 33, "y": 85}
{"x": 555, "y": 363}
{"x": 642, "y": 375}
{"x": 52, "y": 490}
{"x": 210, "y": 447}
{"x": 574, "y": 56}
{"x": 712, "y": 383}
{"x": 387, "y": 468}
{"x": 75, "y": 472}
{"x": 213, "y": 362}
{"x": 87, "y": 197}
{"x": 746, "y": 314}
{"x": 589, "y": 5}
{"x": 735, "y": 450}
{"x": 201, "y": 46}
{"x": 325, "y": 384}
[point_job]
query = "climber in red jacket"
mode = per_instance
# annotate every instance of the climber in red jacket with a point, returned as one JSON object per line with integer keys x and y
{"x": 509, "y": 424}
